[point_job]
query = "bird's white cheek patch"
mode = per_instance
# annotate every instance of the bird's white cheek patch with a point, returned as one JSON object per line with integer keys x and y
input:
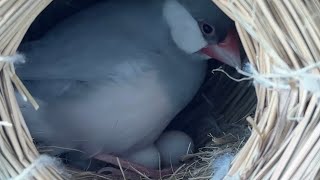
{"x": 184, "y": 28}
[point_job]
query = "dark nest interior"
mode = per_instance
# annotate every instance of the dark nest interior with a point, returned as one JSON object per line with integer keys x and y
{"x": 215, "y": 119}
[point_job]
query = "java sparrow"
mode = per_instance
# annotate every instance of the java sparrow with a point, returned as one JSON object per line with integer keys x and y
{"x": 111, "y": 78}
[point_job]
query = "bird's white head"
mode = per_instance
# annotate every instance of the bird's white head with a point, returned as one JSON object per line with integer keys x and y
{"x": 196, "y": 26}
{"x": 184, "y": 28}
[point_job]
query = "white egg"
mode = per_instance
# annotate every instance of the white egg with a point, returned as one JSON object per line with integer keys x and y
{"x": 173, "y": 145}
{"x": 148, "y": 157}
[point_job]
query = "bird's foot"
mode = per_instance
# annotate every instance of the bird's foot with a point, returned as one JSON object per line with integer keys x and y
{"x": 133, "y": 168}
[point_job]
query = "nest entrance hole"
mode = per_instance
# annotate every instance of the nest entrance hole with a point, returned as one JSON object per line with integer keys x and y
{"x": 216, "y": 115}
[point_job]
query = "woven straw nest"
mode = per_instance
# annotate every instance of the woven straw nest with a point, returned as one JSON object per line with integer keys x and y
{"x": 282, "y": 41}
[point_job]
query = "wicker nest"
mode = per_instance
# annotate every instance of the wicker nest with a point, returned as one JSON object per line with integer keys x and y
{"x": 282, "y": 41}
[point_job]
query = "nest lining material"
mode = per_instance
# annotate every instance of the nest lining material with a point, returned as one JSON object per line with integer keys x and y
{"x": 277, "y": 34}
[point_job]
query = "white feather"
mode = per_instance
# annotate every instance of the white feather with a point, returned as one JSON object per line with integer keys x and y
{"x": 184, "y": 28}
{"x": 221, "y": 166}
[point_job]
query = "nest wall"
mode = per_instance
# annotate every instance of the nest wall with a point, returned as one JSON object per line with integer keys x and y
{"x": 282, "y": 41}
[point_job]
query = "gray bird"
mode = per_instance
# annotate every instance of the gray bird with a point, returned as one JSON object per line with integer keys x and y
{"x": 110, "y": 78}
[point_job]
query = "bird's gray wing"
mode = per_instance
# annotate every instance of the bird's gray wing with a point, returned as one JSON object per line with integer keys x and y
{"x": 89, "y": 44}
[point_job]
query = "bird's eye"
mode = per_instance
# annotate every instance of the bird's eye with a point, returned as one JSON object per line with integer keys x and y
{"x": 207, "y": 29}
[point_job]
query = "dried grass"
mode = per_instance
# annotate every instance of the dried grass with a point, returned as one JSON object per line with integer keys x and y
{"x": 279, "y": 36}
{"x": 17, "y": 150}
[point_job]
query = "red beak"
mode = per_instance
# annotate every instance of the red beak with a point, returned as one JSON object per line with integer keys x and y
{"x": 227, "y": 51}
